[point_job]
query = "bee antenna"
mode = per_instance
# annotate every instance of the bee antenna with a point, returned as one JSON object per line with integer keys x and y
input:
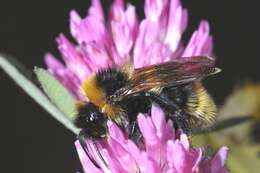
{"x": 82, "y": 137}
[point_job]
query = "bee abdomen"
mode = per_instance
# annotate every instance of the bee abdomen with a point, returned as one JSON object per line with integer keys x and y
{"x": 200, "y": 106}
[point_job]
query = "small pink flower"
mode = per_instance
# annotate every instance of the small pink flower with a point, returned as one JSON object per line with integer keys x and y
{"x": 164, "y": 150}
{"x": 126, "y": 38}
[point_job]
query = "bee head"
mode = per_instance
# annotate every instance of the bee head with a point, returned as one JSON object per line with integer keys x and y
{"x": 91, "y": 120}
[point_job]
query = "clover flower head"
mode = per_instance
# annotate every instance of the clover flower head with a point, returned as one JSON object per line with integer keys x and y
{"x": 123, "y": 37}
{"x": 164, "y": 150}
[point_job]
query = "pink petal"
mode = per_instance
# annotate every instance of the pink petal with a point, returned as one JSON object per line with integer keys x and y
{"x": 152, "y": 142}
{"x": 75, "y": 21}
{"x": 146, "y": 39}
{"x": 182, "y": 159}
{"x": 203, "y": 37}
{"x": 218, "y": 161}
{"x": 72, "y": 58}
{"x": 200, "y": 42}
{"x": 198, "y": 155}
{"x": 53, "y": 63}
{"x": 122, "y": 30}
{"x": 120, "y": 153}
{"x": 64, "y": 75}
{"x": 176, "y": 25}
{"x": 86, "y": 30}
{"x": 96, "y": 10}
{"x": 101, "y": 60}
{"x": 163, "y": 130}
{"x": 148, "y": 130}
{"x": 132, "y": 19}
{"x": 134, "y": 151}
{"x": 153, "y": 9}
{"x": 118, "y": 3}
{"x": 88, "y": 166}
{"x": 185, "y": 141}
{"x": 113, "y": 164}
{"x": 148, "y": 165}
{"x": 139, "y": 45}
{"x": 116, "y": 8}
{"x": 158, "y": 119}
{"x": 116, "y": 133}
{"x": 176, "y": 156}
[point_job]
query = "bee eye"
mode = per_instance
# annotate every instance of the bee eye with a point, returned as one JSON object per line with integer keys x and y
{"x": 92, "y": 117}
{"x": 95, "y": 115}
{"x": 89, "y": 115}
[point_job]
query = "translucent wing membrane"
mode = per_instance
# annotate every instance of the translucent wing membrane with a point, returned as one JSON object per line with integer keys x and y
{"x": 172, "y": 73}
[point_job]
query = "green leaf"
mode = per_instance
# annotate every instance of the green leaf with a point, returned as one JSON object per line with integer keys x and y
{"x": 225, "y": 124}
{"x": 21, "y": 79}
{"x": 59, "y": 95}
{"x": 244, "y": 159}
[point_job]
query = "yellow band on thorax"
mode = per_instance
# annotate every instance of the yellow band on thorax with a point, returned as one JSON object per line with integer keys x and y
{"x": 94, "y": 93}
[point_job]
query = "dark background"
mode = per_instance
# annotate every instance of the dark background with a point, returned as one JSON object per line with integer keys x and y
{"x": 31, "y": 140}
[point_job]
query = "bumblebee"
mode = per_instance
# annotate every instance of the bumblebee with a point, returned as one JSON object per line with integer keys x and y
{"x": 120, "y": 93}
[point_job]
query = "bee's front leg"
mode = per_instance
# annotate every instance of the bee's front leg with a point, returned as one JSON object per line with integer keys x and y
{"x": 83, "y": 137}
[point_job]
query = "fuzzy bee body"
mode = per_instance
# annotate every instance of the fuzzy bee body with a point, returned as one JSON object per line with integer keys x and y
{"x": 99, "y": 88}
{"x": 119, "y": 94}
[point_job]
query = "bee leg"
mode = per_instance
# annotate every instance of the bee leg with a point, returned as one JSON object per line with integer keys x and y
{"x": 174, "y": 112}
{"x": 183, "y": 123}
{"x": 165, "y": 103}
{"x": 82, "y": 140}
{"x": 135, "y": 133}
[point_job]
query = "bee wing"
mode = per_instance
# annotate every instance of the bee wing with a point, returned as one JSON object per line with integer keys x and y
{"x": 173, "y": 73}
